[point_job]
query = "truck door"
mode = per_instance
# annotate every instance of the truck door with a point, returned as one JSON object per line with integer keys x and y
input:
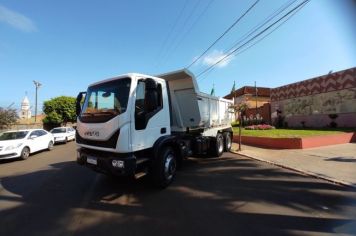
{"x": 151, "y": 115}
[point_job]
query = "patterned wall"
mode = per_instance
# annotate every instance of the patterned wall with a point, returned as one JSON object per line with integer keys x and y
{"x": 327, "y": 83}
{"x": 312, "y": 101}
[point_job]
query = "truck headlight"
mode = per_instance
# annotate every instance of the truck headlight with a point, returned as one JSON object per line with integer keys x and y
{"x": 12, "y": 147}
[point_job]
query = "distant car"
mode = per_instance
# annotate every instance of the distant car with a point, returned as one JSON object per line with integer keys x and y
{"x": 63, "y": 134}
{"x": 21, "y": 143}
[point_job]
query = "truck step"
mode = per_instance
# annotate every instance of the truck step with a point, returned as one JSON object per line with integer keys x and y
{"x": 140, "y": 175}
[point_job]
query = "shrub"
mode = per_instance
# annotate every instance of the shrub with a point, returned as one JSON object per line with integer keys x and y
{"x": 235, "y": 124}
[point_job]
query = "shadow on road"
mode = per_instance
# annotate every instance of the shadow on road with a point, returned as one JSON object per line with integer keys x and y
{"x": 225, "y": 196}
{"x": 342, "y": 159}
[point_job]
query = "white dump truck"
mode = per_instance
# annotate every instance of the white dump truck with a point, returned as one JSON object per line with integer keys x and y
{"x": 136, "y": 124}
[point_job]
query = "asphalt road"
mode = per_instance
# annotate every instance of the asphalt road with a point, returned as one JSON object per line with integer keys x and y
{"x": 49, "y": 194}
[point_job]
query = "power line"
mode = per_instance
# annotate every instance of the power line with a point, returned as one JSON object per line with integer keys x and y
{"x": 259, "y": 26}
{"x": 270, "y": 32}
{"x": 172, "y": 47}
{"x": 265, "y": 36}
{"x": 264, "y": 22}
{"x": 226, "y": 31}
{"x": 192, "y": 25}
{"x": 172, "y": 29}
{"x": 301, "y": 5}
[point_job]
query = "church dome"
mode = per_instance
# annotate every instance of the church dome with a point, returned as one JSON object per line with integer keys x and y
{"x": 25, "y": 101}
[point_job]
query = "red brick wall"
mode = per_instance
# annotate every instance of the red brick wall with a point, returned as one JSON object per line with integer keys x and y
{"x": 264, "y": 111}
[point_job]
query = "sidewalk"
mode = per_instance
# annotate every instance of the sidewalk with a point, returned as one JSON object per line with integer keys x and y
{"x": 335, "y": 163}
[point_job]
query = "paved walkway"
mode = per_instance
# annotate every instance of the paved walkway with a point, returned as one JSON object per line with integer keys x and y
{"x": 336, "y": 163}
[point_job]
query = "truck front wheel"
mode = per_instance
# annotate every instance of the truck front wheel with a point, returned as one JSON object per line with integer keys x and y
{"x": 164, "y": 167}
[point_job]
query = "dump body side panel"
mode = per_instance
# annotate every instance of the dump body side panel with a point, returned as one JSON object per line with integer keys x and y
{"x": 192, "y": 109}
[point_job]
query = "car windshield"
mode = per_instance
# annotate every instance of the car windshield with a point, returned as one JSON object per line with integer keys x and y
{"x": 105, "y": 101}
{"x": 13, "y": 135}
{"x": 59, "y": 130}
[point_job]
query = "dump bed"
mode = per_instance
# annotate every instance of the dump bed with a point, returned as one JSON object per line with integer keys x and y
{"x": 193, "y": 109}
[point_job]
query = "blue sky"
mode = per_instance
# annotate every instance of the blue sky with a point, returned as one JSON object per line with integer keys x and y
{"x": 67, "y": 45}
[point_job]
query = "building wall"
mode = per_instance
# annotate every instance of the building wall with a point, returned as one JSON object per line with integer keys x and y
{"x": 263, "y": 113}
{"x": 313, "y": 102}
{"x": 251, "y": 100}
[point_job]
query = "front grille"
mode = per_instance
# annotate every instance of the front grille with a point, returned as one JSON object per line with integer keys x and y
{"x": 110, "y": 143}
{"x": 1, "y": 148}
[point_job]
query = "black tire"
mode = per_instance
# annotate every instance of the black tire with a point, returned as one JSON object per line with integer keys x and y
{"x": 227, "y": 141}
{"x": 164, "y": 167}
{"x": 25, "y": 153}
{"x": 217, "y": 146}
{"x": 50, "y": 146}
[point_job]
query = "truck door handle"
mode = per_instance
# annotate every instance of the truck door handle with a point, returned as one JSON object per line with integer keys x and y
{"x": 163, "y": 130}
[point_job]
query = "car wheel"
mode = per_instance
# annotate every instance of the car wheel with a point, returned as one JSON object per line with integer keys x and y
{"x": 25, "y": 153}
{"x": 164, "y": 168}
{"x": 66, "y": 140}
{"x": 50, "y": 146}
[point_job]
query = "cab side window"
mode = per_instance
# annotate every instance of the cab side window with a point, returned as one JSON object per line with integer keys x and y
{"x": 148, "y": 102}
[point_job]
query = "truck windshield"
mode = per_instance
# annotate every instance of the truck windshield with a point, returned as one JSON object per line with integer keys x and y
{"x": 105, "y": 101}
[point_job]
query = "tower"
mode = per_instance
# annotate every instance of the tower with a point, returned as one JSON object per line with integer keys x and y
{"x": 25, "y": 112}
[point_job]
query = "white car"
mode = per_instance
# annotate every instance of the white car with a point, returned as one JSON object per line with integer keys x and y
{"x": 21, "y": 143}
{"x": 63, "y": 134}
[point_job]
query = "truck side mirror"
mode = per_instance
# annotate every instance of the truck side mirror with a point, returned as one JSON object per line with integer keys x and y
{"x": 78, "y": 106}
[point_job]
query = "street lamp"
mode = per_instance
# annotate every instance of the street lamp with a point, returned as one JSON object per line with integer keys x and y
{"x": 37, "y": 85}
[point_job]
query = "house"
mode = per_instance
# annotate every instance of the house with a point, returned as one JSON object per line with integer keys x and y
{"x": 259, "y": 103}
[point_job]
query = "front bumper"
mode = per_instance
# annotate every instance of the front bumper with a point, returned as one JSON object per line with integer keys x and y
{"x": 104, "y": 161}
{"x": 59, "y": 139}
{"x": 9, "y": 155}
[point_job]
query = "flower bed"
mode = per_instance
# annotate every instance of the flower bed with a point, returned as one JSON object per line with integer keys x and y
{"x": 259, "y": 127}
{"x": 297, "y": 143}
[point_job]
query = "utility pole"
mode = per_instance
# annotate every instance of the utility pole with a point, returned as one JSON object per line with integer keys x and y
{"x": 37, "y": 85}
{"x": 256, "y": 100}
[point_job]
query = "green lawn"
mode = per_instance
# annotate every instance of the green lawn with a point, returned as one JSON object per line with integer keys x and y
{"x": 290, "y": 133}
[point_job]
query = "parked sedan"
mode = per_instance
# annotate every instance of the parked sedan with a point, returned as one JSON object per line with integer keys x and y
{"x": 63, "y": 134}
{"x": 21, "y": 143}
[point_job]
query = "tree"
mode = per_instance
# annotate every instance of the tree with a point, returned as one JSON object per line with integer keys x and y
{"x": 8, "y": 117}
{"x": 59, "y": 110}
{"x": 240, "y": 109}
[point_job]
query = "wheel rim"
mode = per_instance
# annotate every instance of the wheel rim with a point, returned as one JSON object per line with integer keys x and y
{"x": 50, "y": 145}
{"x": 220, "y": 145}
{"x": 169, "y": 167}
{"x": 26, "y": 153}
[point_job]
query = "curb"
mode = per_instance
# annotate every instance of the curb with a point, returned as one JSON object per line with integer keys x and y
{"x": 300, "y": 171}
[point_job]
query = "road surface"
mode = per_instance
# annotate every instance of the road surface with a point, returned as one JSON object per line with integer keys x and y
{"x": 49, "y": 194}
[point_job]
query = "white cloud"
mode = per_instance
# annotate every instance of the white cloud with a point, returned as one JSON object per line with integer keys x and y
{"x": 16, "y": 20}
{"x": 214, "y": 57}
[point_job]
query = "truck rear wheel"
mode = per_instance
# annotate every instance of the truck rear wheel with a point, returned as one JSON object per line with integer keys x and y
{"x": 217, "y": 146}
{"x": 227, "y": 141}
{"x": 164, "y": 168}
